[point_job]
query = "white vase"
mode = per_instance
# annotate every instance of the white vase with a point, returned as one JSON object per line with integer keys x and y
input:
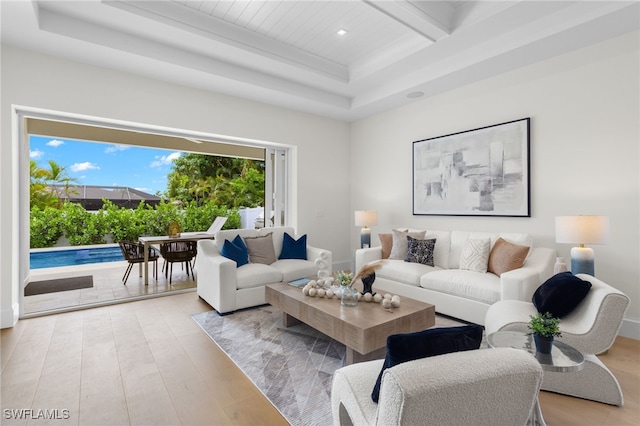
{"x": 560, "y": 266}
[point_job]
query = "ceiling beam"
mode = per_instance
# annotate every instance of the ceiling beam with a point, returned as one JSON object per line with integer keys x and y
{"x": 65, "y": 130}
{"x": 431, "y": 21}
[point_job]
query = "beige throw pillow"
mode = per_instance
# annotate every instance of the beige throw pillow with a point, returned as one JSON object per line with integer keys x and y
{"x": 261, "y": 249}
{"x": 386, "y": 242}
{"x": 400, "y": 242}
{"x": 506, "y": 256}
{"x": 475, "y": 255}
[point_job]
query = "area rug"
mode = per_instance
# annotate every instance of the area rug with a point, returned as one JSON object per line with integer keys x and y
{"x": 293, "y": 367}
{"x": 60, "y": 284}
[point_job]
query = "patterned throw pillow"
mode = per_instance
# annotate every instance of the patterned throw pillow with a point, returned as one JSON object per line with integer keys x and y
{"x": 475, "y": 255}
{"x": 420, "y": 251}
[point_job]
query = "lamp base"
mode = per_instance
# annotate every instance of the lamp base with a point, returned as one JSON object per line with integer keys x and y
{"x": 582, "y": 261}
{"x": 365, "y": 238}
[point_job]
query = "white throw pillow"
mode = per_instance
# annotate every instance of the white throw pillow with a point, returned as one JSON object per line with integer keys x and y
{"x": 475, "y": 255}
{"x": 400, "y": 242}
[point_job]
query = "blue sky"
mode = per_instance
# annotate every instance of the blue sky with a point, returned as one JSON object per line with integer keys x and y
{"x": 93, "y": 163}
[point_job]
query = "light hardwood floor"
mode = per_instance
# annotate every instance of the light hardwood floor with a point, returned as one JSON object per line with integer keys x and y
{"x": 148, "y": 363}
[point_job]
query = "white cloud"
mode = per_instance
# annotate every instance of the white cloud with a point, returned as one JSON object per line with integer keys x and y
{"x": 116, "y": 148}
{"x": 81, "y": 167}
{"x": 36, "y": 154}
{"x": 165, "y": 159}
{"x": 55, "y": 143}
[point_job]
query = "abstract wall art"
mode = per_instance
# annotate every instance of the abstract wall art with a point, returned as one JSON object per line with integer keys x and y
{"x": 479, "y": 172}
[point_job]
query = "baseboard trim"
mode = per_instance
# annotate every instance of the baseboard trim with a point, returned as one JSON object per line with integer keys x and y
{"x": 9, "y": 317}
{"x": 630, "y": 328}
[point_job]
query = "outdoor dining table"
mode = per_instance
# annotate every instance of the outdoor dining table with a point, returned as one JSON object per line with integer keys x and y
{"x": 147, "y": 241}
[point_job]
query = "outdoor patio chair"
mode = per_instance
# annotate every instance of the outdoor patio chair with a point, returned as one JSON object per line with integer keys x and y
{"x": 216, "y": 226}
{"x": 134, "y": 253}
{"x": 179, "y": 251}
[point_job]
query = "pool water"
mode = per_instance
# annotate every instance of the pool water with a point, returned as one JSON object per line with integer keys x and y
{"x": 74, "y": 257}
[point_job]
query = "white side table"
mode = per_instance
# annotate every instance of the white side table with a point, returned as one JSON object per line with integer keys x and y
{"x": 563, "y": 358}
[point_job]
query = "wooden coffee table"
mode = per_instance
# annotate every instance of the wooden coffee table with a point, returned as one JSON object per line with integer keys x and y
{"x": 363, "y": 329}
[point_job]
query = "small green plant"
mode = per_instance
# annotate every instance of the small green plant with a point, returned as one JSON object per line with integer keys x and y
{"x": 545, "y": 325}
{"x": 344, "y": 278}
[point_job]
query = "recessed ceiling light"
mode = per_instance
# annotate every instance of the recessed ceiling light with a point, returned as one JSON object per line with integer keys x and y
{"x": 342, "y": 32}
{"x": 415, "y": 95}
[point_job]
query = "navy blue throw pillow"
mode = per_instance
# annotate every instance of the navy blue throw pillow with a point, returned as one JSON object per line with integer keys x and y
{"x": 236, "y": 250}
{"x": 560, "y": 294}
{"x": 294, "y": 249}
{"x": 431, "y": 342}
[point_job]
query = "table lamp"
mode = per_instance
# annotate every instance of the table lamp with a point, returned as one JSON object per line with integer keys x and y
{"x": 366, "y": 218}
{"x": 582, "y": 230}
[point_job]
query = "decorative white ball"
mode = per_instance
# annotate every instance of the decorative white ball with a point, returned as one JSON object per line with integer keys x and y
{"x": 329, "y": 280}
{"x": 320, "y": 292}
{"x": 395, "y": 302}
{"x": 367, "y": 297}
{"x": 312, "y": 283}
{"x": 305, "y": 291}
{"x": 329, "y": 294}
{"x": 312, "y": 292}
{"x": 387, "y": 296}
{"x": 359, "y": 296}
{"x": 377, "y": 298}
{"x": 386, "y": 303}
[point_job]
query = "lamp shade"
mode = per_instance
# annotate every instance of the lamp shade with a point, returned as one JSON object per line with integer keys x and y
{"x": 582, "y": 229}
{"x": 366, "y": 218}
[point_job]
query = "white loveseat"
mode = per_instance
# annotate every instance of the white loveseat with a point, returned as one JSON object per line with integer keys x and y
{"x": 479, "y": 387}
{"x": 456, "y": 292}
{"x": 227, "y": 287}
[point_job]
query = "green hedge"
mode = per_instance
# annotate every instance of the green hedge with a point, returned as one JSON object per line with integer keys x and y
{"x": 81, "y": 227}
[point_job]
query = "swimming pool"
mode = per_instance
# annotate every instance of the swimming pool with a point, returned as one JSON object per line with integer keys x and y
{"x": 73, "y": 257}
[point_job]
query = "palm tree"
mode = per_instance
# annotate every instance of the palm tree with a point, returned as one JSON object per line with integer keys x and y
{"x": 57, "y": 175}
{"x": 38, "y": 193}
{"x": 201, "y": 187}
{"x": 44, "y": 189}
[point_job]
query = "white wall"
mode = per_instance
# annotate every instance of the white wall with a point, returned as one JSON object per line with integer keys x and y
{"x": 585, "y": 154}
{"x": 584, "y": 109}
{"x": 35, "y": 80}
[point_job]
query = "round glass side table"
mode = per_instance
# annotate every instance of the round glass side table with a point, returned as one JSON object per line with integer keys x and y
{"x": 562, "y": 359}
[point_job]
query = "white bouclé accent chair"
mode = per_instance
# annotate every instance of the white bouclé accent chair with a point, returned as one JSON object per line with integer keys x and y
{"x": 478, "y": 387}
{"x": 591, "y": 328}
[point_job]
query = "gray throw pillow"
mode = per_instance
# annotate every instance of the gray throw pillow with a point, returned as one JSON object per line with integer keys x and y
{"x": 400, "y": 243}
{"x": 261, "y": 249}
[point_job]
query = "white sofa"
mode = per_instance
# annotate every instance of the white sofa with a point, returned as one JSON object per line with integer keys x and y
{"x": 478, "y": 387}
{"x": 459, "y": 293}
{"x": 227, "y": 287}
